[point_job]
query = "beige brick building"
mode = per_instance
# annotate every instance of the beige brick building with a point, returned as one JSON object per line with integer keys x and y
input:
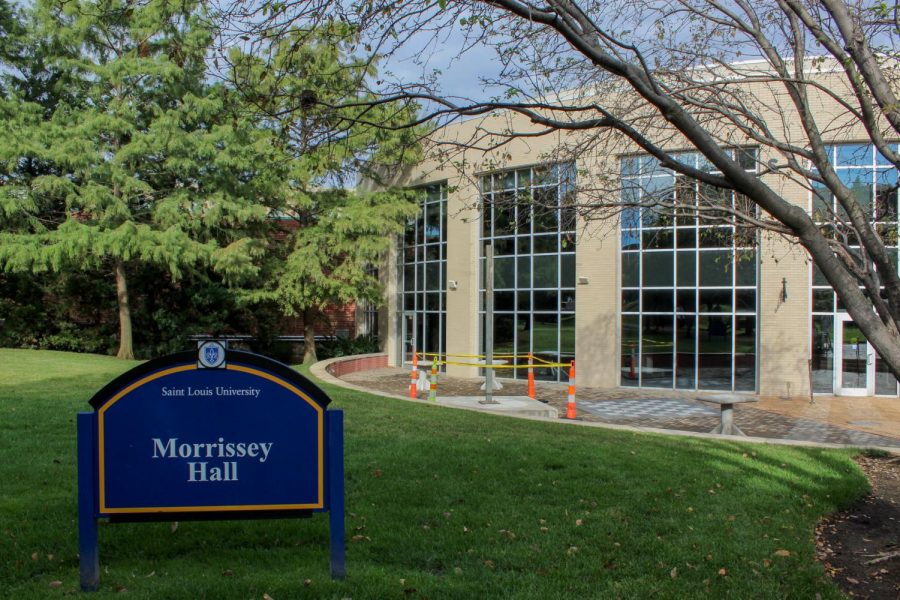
{"x": 637, "y": 298}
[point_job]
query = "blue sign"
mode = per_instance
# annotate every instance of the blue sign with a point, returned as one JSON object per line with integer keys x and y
{"x": 214, "y": 433}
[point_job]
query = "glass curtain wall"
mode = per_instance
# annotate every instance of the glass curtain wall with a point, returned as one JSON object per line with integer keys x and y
{"x": 529, "y": 218}
{"x": 873, "y": 181}
{"x": 423, "y": 275}
{"x": 689, "y": 284}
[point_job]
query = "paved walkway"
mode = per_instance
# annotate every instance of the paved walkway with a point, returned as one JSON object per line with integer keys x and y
{"x": 830, "y": 419}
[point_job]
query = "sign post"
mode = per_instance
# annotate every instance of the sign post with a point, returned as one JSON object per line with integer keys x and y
{"x": 212, "y": 434}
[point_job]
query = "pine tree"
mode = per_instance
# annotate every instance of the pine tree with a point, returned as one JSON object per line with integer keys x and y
{"x": 141, "y": 160}
{"x": 121, "y": 150}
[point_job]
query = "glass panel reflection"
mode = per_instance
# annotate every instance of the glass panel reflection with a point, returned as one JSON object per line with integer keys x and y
{"x": 630, "y": 350}
{"x": 885, "y": 382}
{"x": 714, "y": 352}
{"x": 823, "y": 353}
{"x": 540, "y": 274}
{"x": 685, "y": 352}
{"x": 656, "y": 350}
{"x": 425, "y": 240}
{"x": 745, "y": 353}
{"x": 696, "y": 330}
{"x": 854, "y": 361}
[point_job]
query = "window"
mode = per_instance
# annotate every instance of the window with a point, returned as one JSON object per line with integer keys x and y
{"x": 873, "y": 180}
{"x": 689, "y": 280}
{"x": 423, "y": 275}
{"x": 528, "y": 217}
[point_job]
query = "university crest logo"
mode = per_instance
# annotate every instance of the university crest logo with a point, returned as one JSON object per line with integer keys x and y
{"x": 211, "y": 355}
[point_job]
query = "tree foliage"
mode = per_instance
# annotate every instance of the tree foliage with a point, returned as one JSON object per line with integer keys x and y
{"x": 305, "y": 88}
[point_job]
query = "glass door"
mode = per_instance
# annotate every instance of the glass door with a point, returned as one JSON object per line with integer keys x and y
{"x": 855, "y": 359}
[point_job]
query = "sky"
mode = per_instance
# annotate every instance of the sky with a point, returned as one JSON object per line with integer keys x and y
{"x": 461, "y": 74}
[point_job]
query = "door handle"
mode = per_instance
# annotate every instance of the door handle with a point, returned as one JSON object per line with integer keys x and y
{"x": 870, "y": 359}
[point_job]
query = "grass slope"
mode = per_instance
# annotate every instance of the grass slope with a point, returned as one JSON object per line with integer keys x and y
{"x": 440, "y": 504}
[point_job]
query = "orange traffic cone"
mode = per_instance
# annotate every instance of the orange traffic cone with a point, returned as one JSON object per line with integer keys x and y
{"x": 531, "y": 393}
{"x": 570, "y": 407}
{"x": 413, "y": 375}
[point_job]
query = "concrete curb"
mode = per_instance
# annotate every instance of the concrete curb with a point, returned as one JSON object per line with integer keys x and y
{"x": 319, "y": 370}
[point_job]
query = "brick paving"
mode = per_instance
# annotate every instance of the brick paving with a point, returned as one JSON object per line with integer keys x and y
{"x": 858, "y": 422}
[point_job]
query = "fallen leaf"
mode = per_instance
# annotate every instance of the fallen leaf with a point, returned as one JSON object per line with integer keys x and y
{"x": 267, "y": 597}
{"x": 55, "y": 583}
{"x": 579, "y": 522}
{"x": 782, "y": 553}
{"x": 307, "y": 582}
{"x": 377, "y": 472}
{"x": 723, "y": 572}
{"x": 49, "y": 557}
{"x": 767, "y": 562}
{"x": 572, "y": 550}
{"x": 853, "y": 581}
{"x": 673, "y": 573}
{"x": 34, "y": 556}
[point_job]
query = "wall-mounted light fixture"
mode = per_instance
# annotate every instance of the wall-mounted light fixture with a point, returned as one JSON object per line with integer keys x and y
{"x": 452, "y": 284}
{"x": 582, "y": 280}
{"x": 784, "y": 294}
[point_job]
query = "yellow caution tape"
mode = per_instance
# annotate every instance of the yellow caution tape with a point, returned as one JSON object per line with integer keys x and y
{"x": 483, "y": 366}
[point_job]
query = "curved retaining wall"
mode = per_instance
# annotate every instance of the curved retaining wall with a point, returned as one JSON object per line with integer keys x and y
{"x": 343, "y": 365}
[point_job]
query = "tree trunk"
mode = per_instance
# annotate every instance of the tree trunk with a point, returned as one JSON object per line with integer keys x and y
{"x": 309, "y": 336}
{"x": 126, "y": 350}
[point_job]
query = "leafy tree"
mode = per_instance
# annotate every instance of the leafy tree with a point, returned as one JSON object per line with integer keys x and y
{"x": 665, "y": 74}
{"x": 331, "y": 236}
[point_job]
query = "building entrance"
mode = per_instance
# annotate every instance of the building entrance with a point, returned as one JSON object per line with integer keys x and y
{"x": 854, "y": 358}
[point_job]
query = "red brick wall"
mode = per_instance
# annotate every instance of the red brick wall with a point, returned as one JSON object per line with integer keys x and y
{"x": 338, "y": 320}
{"x": 342, "y": 367}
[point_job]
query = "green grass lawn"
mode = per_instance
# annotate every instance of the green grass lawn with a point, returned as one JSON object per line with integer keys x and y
{"x": 440, "y": 504}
